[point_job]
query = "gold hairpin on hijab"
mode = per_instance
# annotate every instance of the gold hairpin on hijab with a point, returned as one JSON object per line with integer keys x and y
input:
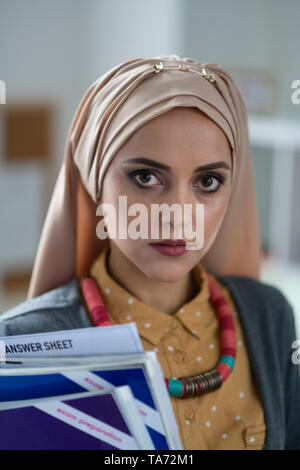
{"x": 161, "y": 68}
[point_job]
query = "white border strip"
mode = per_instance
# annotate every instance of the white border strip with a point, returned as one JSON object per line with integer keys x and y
{"x": 91, "y": 382}
{"x": 86, "y": 423}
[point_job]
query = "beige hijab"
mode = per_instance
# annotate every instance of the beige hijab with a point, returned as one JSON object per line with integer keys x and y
{"x": 114, "y": 106}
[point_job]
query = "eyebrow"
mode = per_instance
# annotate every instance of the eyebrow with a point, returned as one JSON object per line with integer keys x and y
{"x": 162, "y": 166}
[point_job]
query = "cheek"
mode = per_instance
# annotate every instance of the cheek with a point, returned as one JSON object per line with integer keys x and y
{"x": 122, "y": 211}
{"x": 116, "y": 184}
{"x": 214, "y": 212}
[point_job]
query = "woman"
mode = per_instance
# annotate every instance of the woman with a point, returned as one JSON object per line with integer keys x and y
{"x": 168, "y": 130}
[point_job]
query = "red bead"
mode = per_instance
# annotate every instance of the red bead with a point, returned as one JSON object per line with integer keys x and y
{"x": 224, "y": 370}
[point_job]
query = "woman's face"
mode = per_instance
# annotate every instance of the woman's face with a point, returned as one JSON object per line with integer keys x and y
{"x": 175, "y": 145}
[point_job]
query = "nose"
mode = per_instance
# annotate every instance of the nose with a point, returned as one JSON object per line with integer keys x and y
{"x": 182, "y": 218}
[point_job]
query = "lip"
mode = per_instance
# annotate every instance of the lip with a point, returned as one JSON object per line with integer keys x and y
{"x": 170, "y": 247}
{"x": 170, "y": 242}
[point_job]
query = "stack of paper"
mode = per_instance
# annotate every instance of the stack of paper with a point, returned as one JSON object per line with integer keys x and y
{"x": 102, "y": 420}
{"x": 111, "y": 384}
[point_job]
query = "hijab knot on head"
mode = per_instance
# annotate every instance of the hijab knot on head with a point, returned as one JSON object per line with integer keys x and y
{"x": 112, "y": 109}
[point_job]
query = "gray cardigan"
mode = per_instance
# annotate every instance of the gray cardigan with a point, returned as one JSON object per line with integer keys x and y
{"x": 268, "y": 324}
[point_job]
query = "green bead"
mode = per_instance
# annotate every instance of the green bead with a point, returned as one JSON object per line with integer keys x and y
{"x": 229, "y": 360}
{"x": 175, "y": 388}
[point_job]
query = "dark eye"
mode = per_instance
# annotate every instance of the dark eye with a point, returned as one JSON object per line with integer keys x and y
{"x": 210, "y": 182}
{"x": 144, "y": 178}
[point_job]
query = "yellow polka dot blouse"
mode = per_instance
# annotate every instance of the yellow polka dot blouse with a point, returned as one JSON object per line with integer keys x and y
{"x": 187, "y": 343}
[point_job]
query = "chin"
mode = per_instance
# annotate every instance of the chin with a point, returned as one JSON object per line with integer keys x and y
{"x": 164, "y": 271}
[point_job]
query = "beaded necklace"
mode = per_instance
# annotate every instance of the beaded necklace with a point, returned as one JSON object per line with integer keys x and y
{"x": 182, "y": 387}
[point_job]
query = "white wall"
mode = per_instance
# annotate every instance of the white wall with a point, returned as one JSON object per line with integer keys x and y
{"x": 41, "y": 47}
{"x": 56, "y": 49}
{"x": 40, "y": 43}
{"x": 117, "y": 30}
{"x": 256, "y": 33}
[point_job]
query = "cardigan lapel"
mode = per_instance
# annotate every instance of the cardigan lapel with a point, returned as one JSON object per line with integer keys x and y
{"x": 251, "y": 307}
